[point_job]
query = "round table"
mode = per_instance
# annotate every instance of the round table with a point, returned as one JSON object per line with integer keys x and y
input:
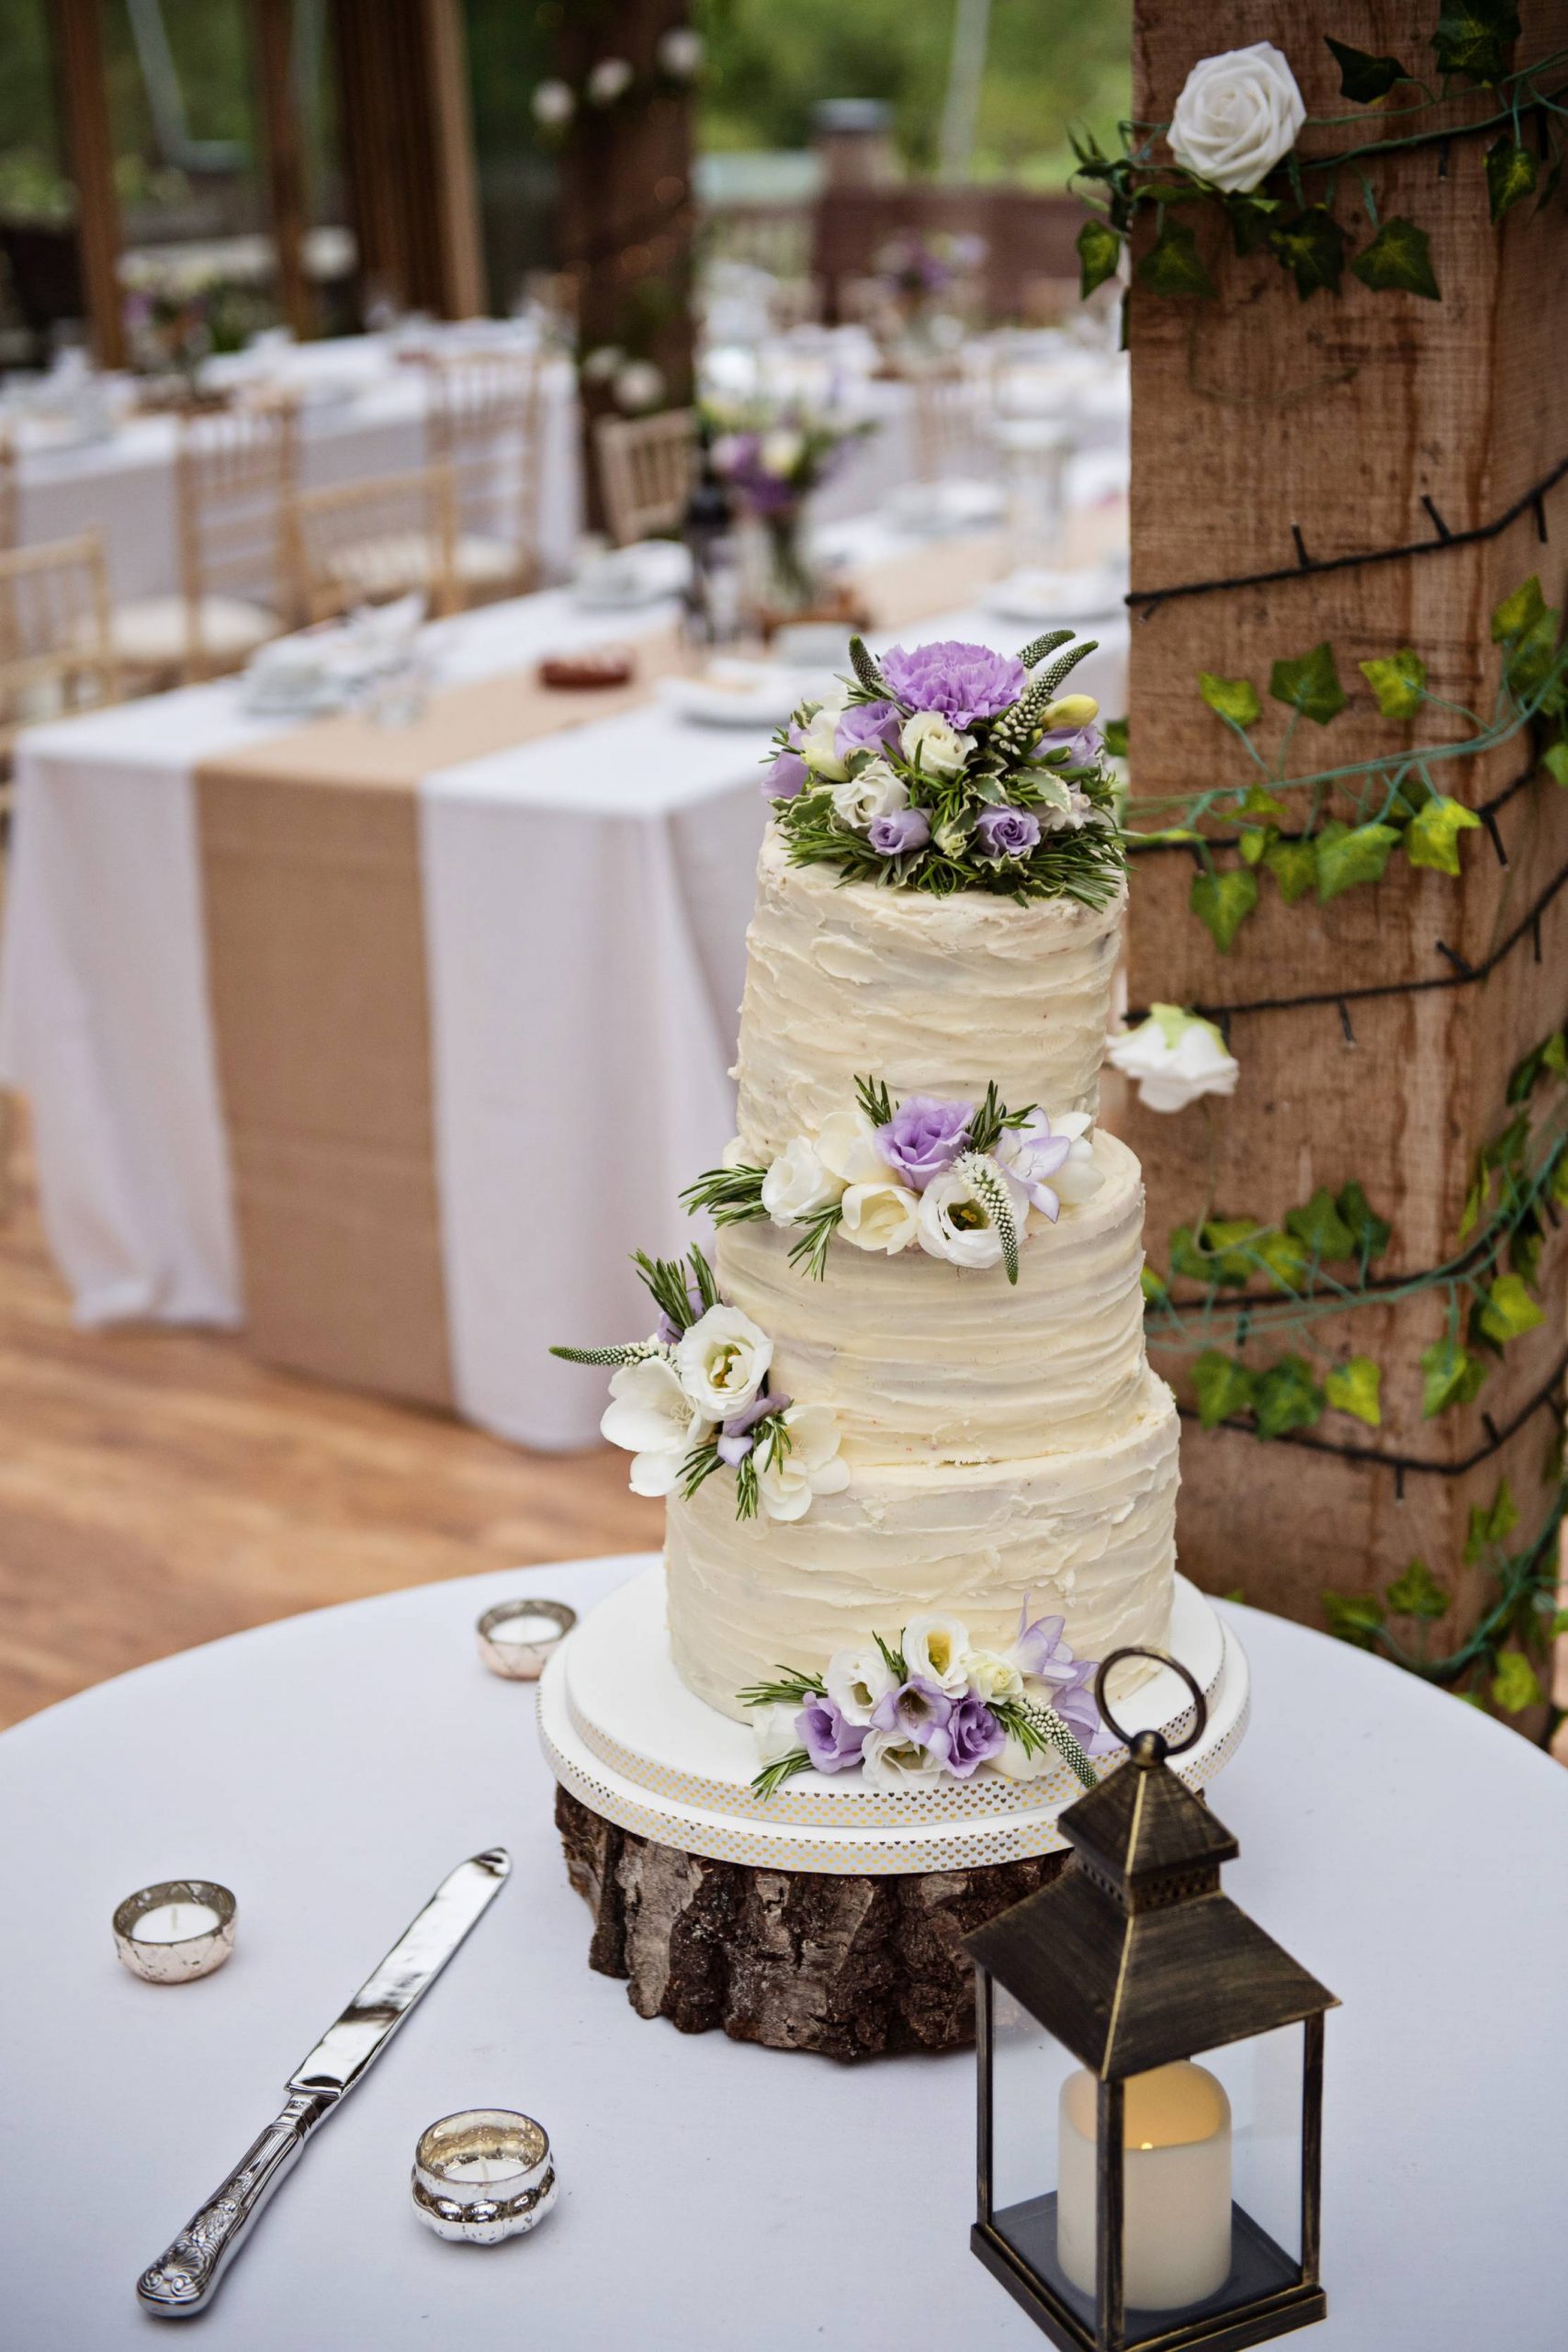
{"x": 330, "y": 1769}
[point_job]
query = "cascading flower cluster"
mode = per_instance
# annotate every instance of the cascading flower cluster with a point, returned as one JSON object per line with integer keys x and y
{"x": 951, "y": 768}
{"x": 694, "y": 1398}
{"x": 957, "y": 1179}
{"x": 933, "y": 1705}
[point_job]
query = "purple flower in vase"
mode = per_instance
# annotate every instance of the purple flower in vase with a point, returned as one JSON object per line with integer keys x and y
{"x": 918, "y": 1711}
{"x": 832, "y": 1743}
{"x": 974, "y": 1736}
{"x": 1001, "y": 834}
{"x": 867, "y": 727}
{"x": 964, "y": 682}
{"x": 898, "y": 834}
{"x": 923, "y": 1137}
{"x": 735, "y": 1441}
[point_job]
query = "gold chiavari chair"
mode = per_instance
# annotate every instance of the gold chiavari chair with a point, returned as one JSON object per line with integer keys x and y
{"x": 364, "y": 542}
{"x": 234, "y": 485}
{"x": 56, "y": 645}
{"x": 482, "y": 423}
{"x": 647, "y": 466}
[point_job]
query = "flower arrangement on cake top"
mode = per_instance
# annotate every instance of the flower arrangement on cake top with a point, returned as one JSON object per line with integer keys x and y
{"x": 951, "y": 768}
{"x": 931, "y": 1705}
{"x": 692, "y": 1399}
{"x": 958, "y": 1178}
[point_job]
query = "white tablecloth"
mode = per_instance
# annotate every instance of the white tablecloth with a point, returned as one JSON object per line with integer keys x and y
{"x": 330, "y": 1770}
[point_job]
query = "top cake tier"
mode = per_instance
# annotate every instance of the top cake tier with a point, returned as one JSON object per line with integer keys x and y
{"x": 933, "y": 996}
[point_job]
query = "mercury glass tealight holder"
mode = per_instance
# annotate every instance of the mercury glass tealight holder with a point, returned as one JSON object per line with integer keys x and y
{"x": 517, "y": 1637}
{"x": 483, "y": 2174}
{"x": 179, "y": 1929}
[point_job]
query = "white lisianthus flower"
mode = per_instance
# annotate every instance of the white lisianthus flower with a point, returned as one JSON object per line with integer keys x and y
{"x": 936, "y": 1648}
{"x": 956, "y": 1224}
{"x": 990, "y": 1677}
{"x": 609, "y": 80}
{"x": 1239, "y": 114}
{"x": 775, "y": 1733}
{"x": 891, "y": 1762}
{"x": 928, "y": 742}
{"x": 787, "y": 1483}
{"x": 797, "y": 1184}
{"x": 1175, "y": 1058}
{"x": 858, "y": 1681}
{"x": 554, "y": 103}
{"x": 652, "y": 1417}
{"x": 884, "y": 1215}
{"x": 1070, "y": 710}
{"x": 876, "y": 791}
{"x": 846, "y": 1146}
{"x": 723, "y": 1361}
{"x": 781, "y": 451}
{"x": 1013, "y": 1764}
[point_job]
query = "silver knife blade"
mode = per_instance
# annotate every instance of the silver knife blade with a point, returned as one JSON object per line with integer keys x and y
{"x": 415, "y": 1961}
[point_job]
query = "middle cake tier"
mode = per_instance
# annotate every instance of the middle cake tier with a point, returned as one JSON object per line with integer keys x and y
{"x": 926, "y": 1362}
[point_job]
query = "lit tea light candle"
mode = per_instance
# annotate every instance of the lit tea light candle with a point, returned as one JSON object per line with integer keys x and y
{"x": 517, "y": 1637}
{"x": 1176, "y": 2236}
{"x": 175, "y": 1931}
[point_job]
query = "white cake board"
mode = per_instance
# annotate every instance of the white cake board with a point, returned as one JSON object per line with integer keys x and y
{"x": 623, "y": 1735}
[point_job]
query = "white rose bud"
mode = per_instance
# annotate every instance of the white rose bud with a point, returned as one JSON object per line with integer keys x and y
{"x": 1238, "y": 115}
{"x": 775, "y": 1732}
{"x": 1175, "y": 1058}
{"x": 723, "y": 1361}
{"x": 930, "y": 744}
{"x": 847, "y": 1146}
{"x": 883, "y": 1217}
{"x": 876, "y": 791}
{"x": 797, "y": 1184}
{"x": 990, "y": 1677}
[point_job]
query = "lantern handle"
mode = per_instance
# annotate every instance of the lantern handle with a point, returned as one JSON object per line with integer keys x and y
{"x": 1162, "y": 1658}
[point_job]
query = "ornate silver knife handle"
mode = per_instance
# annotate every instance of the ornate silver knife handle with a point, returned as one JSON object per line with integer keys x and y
{"x": 181, "y": 2281}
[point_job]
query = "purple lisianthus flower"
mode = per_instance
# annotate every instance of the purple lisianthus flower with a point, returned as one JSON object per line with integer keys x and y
{"x": 1083, "y": 746}
{"x": 963, "y": 682}
{"x": 974, "y": 1736}
{"x": 785, "y": 778}
{"x": 901, "y": 831}
{"x": 918, "y": 1711}
{"x": 1002, "y": 834}
{"x": 923, "y": 1137}
{"x": 735, "y": 1441}
{"x": 867, "y": 727}
{"x": 832, "y": 1743}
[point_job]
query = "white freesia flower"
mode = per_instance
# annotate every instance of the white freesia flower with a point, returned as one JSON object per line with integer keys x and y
{"x": 775, "y": 1733}
{"x": 884, "y": 1215}
{"x": 935, "y": 1648}
{"x": 797, "y": 1184}
{"x": 782, "y": 450}
{"x": 990, "y": 1677}
{"x": 956, "y": 1224}
{"x": 1031, "y": 1158}
{"x": 787, "y": 1483}
{"x": 876, "y": 791}
{"x": 1013, "y": 1764}
{"x": 1238, "y": 115}
{"x": 1078, "y": 1179}
{"x": 891, "y": 1762}
{"x": 723, "y": 1361}
{"x": 609, "y": 80}
{"x": 930, "y": 743}
{"x": 858, "y": 1681}
{"x": 651, "y": 1416}
{"x": 847, "y": 1146}
{"x": 554, "y": 103}
{"x": 1175, "y": 1058}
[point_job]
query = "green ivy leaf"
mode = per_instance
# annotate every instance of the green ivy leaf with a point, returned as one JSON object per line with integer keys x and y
{"x": 1116, "y": 734}
{"x": 1370, "y": 1233}
{"x": 1555, "y": 1054}
{"x": 1222, "y": 902}
{"x": 1353, "y": 1617}
{"x": 1512, "y": 171}
{"x": 1173, "y": 264}
{"x": 1356, "y": 1387}
{"x": 1432, "y": 837}
{"x": 1288, "y": 1397}
{"x": 1322, "y": 1229}
{"x": 1555, "y": 760}
{"x": 1519, "y": 612}
{"x": 1232, "y": 1244}
{"x": 1473, "y": 37}
{"x": 1249, "y": 218}
{"x": 1252, "y": 845}
{"x": 1493, "y": 1526}
{"x": 1399, "y": 681}
{"x": 1347, "y": 857}
{"x": 1099, "y": 255}
{"x": 1531, "y": 657}
{"x": 1258, "y": 803}
{"x": 1222, "y": 1388}
{"x": 1398, "y": 261}
{"x": 1293, "y": 866}
{"x": 1508, "y": 1310}
{"x": 1233, "y": 699}
{"x": 1450, "y": 1376}
{"x": 1515, "y": 1684}
{"x": 1186, "y": 1259}
{"x": 1312, "y": 248}
{"x": 1285, "y": 1258}
{"x": 1364, "y": 79}
{"x": 1309, "y": 683}
{"x": 1418, "y": 1593}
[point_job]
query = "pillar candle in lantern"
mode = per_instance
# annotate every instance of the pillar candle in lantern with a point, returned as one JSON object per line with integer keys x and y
{"x": 1176, "y": 2226}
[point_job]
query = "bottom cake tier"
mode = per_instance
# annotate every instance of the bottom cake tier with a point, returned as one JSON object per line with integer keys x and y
{"x": 1088, "y": 1536}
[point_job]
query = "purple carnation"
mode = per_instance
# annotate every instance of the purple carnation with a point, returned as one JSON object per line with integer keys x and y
{"x": 974, "y": 1736}
{"x": 920, "y": 1712}
{"x": 1002, "y": 833}
{"x": 923, "y": 1137}
{"x": 867, "y": 727}
{"x": 963, "y": 682}
{"x": 901, "y": 831}
{"x": 832, "y": 1744}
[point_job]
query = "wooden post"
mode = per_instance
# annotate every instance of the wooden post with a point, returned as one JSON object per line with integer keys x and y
{"x": 84, "y": 100}
{"x": 404, "y": 96}
{"x": 284, "y": 163}
{"x": 1266, "y": 428}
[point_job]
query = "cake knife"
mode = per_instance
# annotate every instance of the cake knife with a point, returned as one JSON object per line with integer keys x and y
{"x": 184, "y": 2279}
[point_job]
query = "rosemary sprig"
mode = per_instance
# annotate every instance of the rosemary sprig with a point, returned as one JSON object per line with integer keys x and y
{"x": 875, "y": 1099}
{"x": 892, "y": 1659}
{"x": 792, "y": 1690}
{"x": 699, "y": 1466}
{"x": 665, "y": 1278}
{"x": 1036, "y": 1728}
{"x": 810, "y": 1252}
{"x": 992, "y": 1119}
{"x": 731, "y": 1195}
{"x": 707, "y": 1280}
{"x": 774, "y": 1776}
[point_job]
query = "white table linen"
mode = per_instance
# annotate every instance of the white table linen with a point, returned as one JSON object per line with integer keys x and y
{"x": 332, "y": 1767}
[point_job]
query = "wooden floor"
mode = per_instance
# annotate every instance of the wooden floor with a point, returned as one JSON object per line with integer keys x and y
{"x": 158, "y": 1488}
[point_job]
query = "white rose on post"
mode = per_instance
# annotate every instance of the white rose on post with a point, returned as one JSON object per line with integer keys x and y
{"x": 1174, "y": 1058}
{"x": 1238, "y": 115}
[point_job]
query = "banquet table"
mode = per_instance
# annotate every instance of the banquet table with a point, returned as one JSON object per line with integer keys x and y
{"x": 332, "y": 1768}
{"x": 395, "y": 1046}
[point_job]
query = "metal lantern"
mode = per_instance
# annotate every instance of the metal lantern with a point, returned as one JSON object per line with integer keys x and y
{"x": 1150, "y": 2082}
